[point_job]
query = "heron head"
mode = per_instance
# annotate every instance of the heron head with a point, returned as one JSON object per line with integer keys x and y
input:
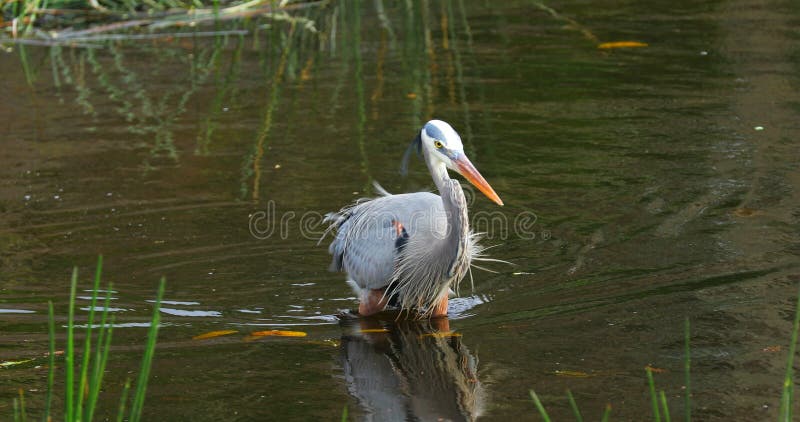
{"x": 440, "y": 142}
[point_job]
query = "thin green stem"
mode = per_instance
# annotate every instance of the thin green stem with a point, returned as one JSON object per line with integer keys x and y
{"x": 606, "y": 413}
{"x": 687, "y": 366}
{"x": 788, "y": 381}
{"x": 51, "y": 370}
{"x": 22, "y": 416}
{"x": 100, "y": 358}
{"x": 69, "y": 359}
{"x": 574, "y": 406}
{"x": 87, "y": 343}
{"x": 123, "y": 399}
{"x": 147, "y": 360}
{"x": 653, "y": 397}
{"x": 664, "y": 407}
{"x": 539, "y": 406}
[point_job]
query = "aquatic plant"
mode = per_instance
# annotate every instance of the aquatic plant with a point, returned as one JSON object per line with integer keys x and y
{"x": 81, "y": 400}
{"x": 658, "y": 399}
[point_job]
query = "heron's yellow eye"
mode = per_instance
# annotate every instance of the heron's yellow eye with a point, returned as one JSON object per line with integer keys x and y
{"x": 438, "y": 144}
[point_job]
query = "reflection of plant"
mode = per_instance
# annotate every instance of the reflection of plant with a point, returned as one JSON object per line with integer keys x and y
{"x": 151, "y": 112}
{"x": 81, "y": 402}
{"x": 290, "y": 50}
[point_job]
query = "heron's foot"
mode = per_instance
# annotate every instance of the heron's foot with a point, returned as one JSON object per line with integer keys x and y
{"x": 441, "y": 308}
{"x": 347, "y": 314}
{"x": 373, "y": 302}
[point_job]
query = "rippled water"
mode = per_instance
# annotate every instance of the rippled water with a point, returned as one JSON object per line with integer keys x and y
{"x": 663, "y": 180}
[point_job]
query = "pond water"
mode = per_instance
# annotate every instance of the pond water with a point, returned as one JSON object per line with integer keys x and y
{"x": 642, "y": 186}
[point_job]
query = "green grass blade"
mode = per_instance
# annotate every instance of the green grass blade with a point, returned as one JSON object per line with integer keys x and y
{"x": 51, "y": 370}
{"x": 606, "y": 413}
{"x": 87, "y": 343}
{"x": 344, "y": 414}
{"x": 788, "y": 381}
{"x": 664, "y": 407}
{"x": 69, "y": 353}
{"x": 101, "y": 356}
{"x": 123, "y": 399}
{"x": 15, "y": 404}
{"x": 687, "y": 366}
{"x": 147, "y": 360}
{"x": 539, "y": 406}
{"x": 653, "y": 397}
{"x": 22, "y": 416}
{"x": 574, "y": 406}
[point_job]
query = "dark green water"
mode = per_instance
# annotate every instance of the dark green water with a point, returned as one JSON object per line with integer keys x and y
{"x": 663, "y": 180}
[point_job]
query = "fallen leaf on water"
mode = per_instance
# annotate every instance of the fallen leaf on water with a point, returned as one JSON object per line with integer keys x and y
{"x": 772, "y": 349}
{"x": 745, "y": 212}
{"x": 279, "y": 333}
{"x": 374, "y": 330}
{"x": 212, "y": 334}
{"x": 655, "y": 370}
{"x": 621, "y": 44}
{"x": 573, "y": 374}
{"x": 8, "y": 363}
{"x": 442, "y": 334}
{"x": 411, "y": 96}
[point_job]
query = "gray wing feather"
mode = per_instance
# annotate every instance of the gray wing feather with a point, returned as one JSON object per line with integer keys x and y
{"x": 365, "y": 247}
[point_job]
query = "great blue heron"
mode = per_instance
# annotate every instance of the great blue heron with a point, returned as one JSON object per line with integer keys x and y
{"x": 409, "y": 249}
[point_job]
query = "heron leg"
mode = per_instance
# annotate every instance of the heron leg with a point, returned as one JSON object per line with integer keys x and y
{"x": 441, "y": 307}
{"x": 373, "y": 302}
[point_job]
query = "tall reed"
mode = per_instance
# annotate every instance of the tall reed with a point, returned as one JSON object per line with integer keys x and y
{"x": 80, "y": 401}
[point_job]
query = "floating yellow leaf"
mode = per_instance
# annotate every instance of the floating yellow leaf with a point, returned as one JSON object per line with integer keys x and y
{"x": 621, "y": 44}
{"x": 374, "y": 330}
{"x": 212, "y": 334}
{"x": 745, "y": 212}
{"x": 771, "y": 349}
{"x": 411, "y": 96}
{"x": 441, "y": 334}
{"x": 6, "y": 364}
{"x": 279, "y": 333}
{"x": 573, "y": 374}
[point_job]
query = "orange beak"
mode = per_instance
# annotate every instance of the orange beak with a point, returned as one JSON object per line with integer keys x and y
{"x": 466, "y": 169}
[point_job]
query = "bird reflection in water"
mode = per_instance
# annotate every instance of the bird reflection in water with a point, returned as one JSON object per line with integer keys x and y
{"x": 401, "y": 370}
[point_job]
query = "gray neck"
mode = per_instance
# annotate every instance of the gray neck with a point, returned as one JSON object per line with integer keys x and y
{"x": 453, "y": 246}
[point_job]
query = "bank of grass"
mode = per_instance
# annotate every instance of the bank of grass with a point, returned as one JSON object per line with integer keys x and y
{"x": 50, "y": 22}
{"x": 658, "y": 399}
{"x": 81, "y": 397}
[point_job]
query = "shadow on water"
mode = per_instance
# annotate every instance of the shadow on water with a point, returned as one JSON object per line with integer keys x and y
{"x": 400, "y": 370}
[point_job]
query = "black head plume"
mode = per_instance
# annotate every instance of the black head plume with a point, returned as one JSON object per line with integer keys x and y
{"x": 415, "y": 144}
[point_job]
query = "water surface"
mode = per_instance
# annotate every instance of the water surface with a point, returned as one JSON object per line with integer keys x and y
{"x": 663, "y": 180}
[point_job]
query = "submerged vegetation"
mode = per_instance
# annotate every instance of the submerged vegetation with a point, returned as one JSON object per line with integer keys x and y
{"x": 81, "y": 398}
